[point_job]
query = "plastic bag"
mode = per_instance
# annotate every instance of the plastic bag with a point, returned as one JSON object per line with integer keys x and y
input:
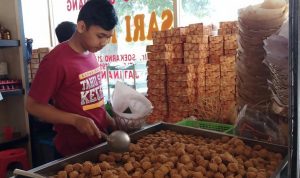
{"x": 255, "y": 125}
{"x": 128, "y": 103}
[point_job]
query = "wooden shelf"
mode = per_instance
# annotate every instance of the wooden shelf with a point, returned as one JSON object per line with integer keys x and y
{"x": 9, "y": 43}
{"x": 17, "y": 92}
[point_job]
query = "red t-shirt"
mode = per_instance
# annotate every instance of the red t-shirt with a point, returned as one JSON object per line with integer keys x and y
{"x": 73, "y": 81}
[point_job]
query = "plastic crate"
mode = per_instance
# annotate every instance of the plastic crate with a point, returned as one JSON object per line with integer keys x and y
{"x": 225, "y": 128}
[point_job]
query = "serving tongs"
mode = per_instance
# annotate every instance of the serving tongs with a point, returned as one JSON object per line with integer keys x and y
{"x": 20, "y": 172}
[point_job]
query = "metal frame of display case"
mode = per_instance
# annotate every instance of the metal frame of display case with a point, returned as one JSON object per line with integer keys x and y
{"x": 294, "y": 157}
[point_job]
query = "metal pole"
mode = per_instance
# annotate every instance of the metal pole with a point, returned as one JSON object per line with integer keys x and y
{"x": 50, "y": 20}
{"x": 176, "y": 11}
{"x": 294, "y": 76}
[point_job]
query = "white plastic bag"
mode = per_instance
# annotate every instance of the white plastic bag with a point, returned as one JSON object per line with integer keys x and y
{"x": 125, "y": 97}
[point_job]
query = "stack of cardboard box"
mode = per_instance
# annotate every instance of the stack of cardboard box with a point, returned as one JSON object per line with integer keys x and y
{"x": 198, "y": 71}
{"x": 36, "y": 57}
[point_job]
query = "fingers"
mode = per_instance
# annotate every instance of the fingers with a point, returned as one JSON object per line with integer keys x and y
{"x": 87, "y": 126}
{"x": 95, "y": 130}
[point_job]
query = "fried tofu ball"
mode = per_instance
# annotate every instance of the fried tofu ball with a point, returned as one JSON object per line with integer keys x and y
{"x": 225, "y": 146}
{"x": 184, "y": 173}
{"x": 248, "y": 163}
{"x": 98, "y": 176}
{"x": 247, "y": 152}
{"x": 179, "y": 166}
{"x": 124, "y": 174}
{"x": 95, "y": 170}
{"x": 251, "y": 169}
{"x": 238, "y": 142}
{"x": 102, "y": 157}
{"x": 230, "y": 176}
{"x": 239, "y": 159}
{"x": 251, "y": 174}
{"x": 185, "y": 159}
{"x": 110, "y": 158}
{"x": 148, "y": 174}
{"x": 68, "y": 168}
{"x": 77, "y": 167}
{"x": 210, "y": 174}
{"x": 238, "y": 176}
{"x": 134, "y": 147}
{"x": 146, "y": 165}
{"x": 139, "y": 170}
{"x": 174, "y": 159}
{"x": 217, "y": 159}
{"x": 146, "y": 158}
{"x": 218, "y": 175}
{"x": 206, "y": 154}
{"x": 162, "y": 158}
{"x": 180, "y": 151}
{"x": 104, "y": 166}
{"x": 227, "y": 157}
{"x": 190, "y": 148}
{"x": 137, "y": 174}
{"x": 232, "y": 167}
{"x": 81, "y": 175}
{"x": 239, "y": 149}
{"x": 173, "y": 171}
{"x": 261, "y": 175}
{"x": 131, "y": 159}
{"x": 242, "y": 172}
{"x": 203, "y": 163}
{"x": 159, "y": 174}
{"x": 87, "y": 165}
{"x": 176, "y": 176}
{"x": 222, "y": 168}
{"x": 128, "y": 167}
{"x": 197, "y": 175}
{"x": 213, "y": 167}
{"x": 62, "y": 174}
{"x": 200, "y": 169}
{"x": 199, "y": 157}
{"x": 189, "y": 166}
{"x": 225, "y": 139}
{"x": 136, "y": 164}
{"x": 156, "y": 165}
{"x": 125, "y": 157}
{"x": 73, "y": 174}
{"x": 109, "y": 174}
{"x": 263, "y": 153}
{"x": 164, "y": 169}
{"x": 170, "y": 164}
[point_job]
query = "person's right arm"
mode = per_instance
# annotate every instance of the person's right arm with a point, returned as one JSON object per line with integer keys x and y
{"x": 53, "y": 115}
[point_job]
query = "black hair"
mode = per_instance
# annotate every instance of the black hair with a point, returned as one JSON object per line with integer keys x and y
{"x": 65, "y": 30}
{"x": 100, "y": 13}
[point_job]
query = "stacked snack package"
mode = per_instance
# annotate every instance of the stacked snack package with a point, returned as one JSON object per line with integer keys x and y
{"x": 34, "y": 63}
{"x": 196, "y": 52}
{"x": 256, "y": 23}
{"x": 228, "y": 73}
{"x": 218, "y": 101}
{"x": 158, "y": 56}
{"x": 198, "y": 79}
{"x": 180, "y": 79}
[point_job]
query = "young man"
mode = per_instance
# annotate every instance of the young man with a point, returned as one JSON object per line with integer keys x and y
{"x": 65, "y": 30}
{"x": 70, "y": 76}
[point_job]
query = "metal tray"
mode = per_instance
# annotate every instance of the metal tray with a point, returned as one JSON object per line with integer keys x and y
{"x": 92, "y": 154}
